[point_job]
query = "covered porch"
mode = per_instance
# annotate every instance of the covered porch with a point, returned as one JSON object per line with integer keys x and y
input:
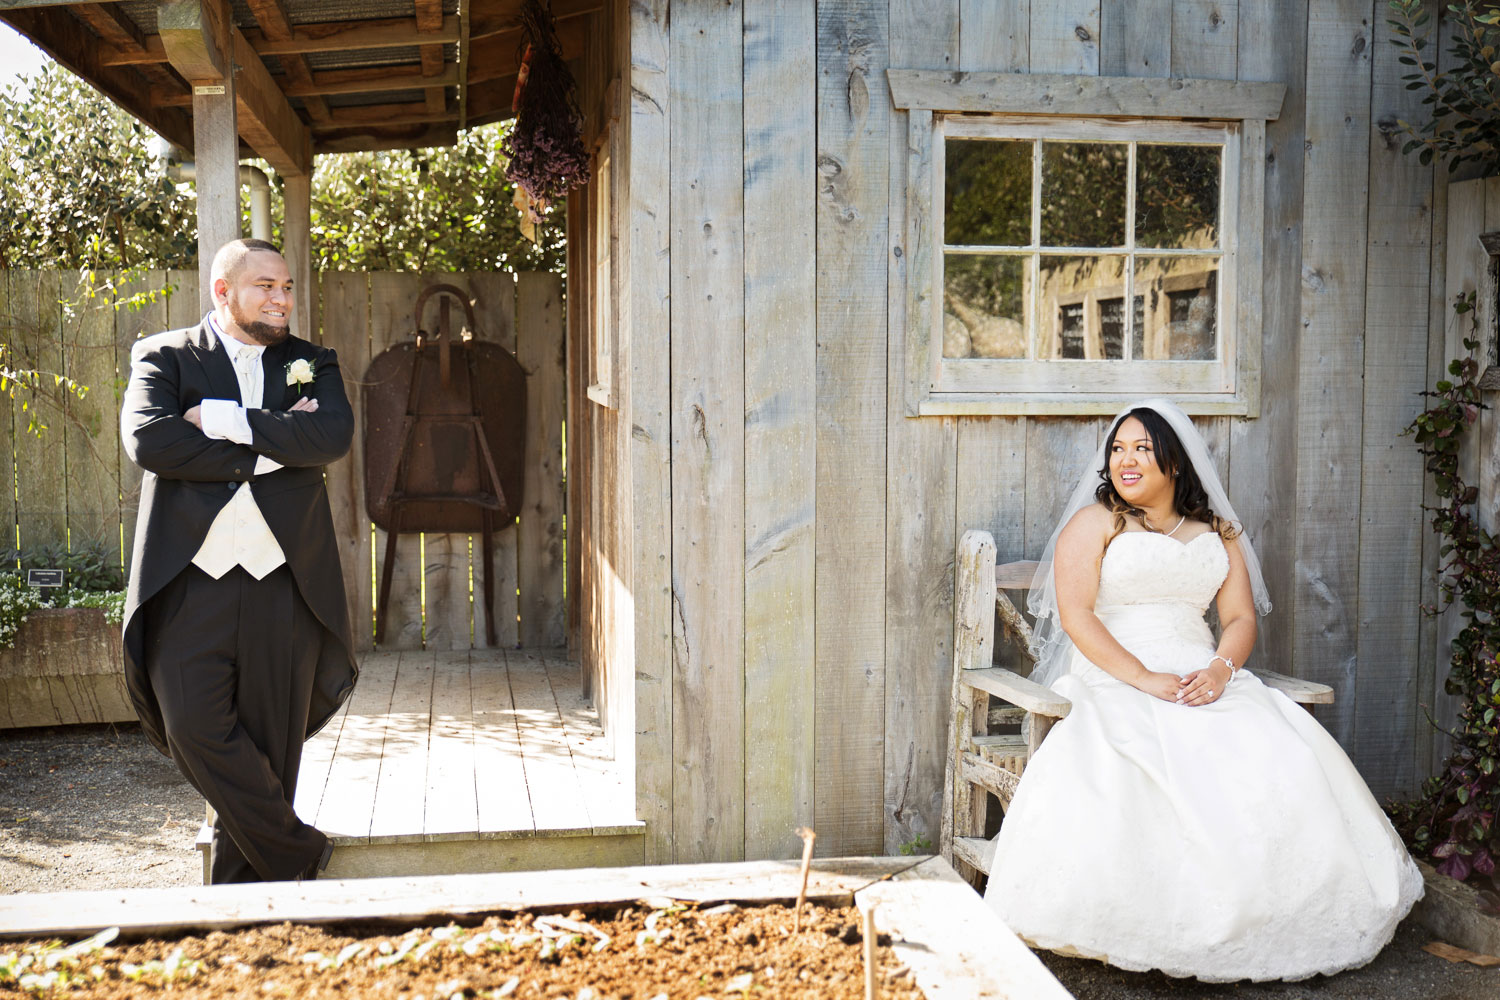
{"x": 456, "y": 761}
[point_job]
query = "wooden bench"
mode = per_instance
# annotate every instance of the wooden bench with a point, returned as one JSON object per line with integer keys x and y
{"x": 981, "y": 761}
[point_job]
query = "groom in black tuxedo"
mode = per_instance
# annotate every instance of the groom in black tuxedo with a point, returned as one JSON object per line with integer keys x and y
{"x": 237, "y": 643}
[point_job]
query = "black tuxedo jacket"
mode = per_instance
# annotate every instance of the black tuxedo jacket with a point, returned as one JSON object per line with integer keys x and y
{"x": 189, "y": 478}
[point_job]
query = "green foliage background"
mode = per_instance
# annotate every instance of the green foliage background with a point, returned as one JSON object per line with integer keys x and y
{"x": 80, "y": 189}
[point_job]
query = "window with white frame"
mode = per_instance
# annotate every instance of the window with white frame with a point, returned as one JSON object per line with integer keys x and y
{"x": 1062, "y": 263}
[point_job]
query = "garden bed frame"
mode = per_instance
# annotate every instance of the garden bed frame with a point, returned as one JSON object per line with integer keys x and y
{"x": 67, "y": 666}
{"x": 954, "y": 944}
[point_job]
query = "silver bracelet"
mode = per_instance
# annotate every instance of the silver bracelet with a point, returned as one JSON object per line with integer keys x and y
{"x": 1234, "y": 671}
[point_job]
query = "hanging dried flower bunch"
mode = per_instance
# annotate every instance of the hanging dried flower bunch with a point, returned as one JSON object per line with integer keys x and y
{"x": 545, "y": 146}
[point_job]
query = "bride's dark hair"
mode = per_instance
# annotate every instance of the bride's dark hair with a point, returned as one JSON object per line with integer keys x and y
{"x": 1189, "y": 498}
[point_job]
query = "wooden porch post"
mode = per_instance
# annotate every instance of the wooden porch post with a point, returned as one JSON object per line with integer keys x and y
{"x": 196, "y": 38}
{"x": 296, "y": 230}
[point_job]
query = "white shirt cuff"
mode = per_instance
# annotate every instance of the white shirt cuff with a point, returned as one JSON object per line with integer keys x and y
{"x": 224, "y": 420}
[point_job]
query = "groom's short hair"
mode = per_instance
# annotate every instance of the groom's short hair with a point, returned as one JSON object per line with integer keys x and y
{"x": 232, "y": 255}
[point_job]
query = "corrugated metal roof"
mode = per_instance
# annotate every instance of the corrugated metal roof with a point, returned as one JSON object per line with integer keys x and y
{"x": 143, "y": 12}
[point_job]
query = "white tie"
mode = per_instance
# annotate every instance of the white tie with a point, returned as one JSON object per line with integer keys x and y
{"x": 247, "y": 367}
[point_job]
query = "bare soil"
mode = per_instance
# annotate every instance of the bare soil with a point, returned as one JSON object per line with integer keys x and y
{"x": 638, "y": 953}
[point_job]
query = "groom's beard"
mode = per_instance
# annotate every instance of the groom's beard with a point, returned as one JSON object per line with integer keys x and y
{"x": 265, "y": 333}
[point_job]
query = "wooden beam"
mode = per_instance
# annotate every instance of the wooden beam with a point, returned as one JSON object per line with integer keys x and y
{"x": 111, "y": 24}
{"x": 151, "y": 51}
{"x": 367, "y": 115}
{"x": 373, "y": 80}
{"x": 32, "y": 4}
{"x": 499, "y": 55}
{"x": 272, "y": 17}
{"x": 66, "y": 40}
{"x": 196, "y": 37}
{"x": 413, "y": 137}
{"x": 267, "y": 121}
{"x": 493, "y": 17}
{"x": 1049, "y": 94}
{"x": 350, "y": 36}
{"x": 464, "y": 57}
{"x": 490, "y": 101}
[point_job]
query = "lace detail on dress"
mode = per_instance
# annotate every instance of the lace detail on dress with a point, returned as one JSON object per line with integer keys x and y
{"x": 1143, "y": 567}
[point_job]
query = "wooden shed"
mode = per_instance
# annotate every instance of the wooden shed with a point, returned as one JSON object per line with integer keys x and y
{"x": 852, "y": 277}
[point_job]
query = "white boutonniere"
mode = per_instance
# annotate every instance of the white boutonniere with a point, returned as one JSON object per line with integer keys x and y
{"x": 299, "y": 373}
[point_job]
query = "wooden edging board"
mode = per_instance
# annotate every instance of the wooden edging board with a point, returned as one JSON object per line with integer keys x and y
{"x": 953, "y": 943}
{"x": 1450, "y": 910}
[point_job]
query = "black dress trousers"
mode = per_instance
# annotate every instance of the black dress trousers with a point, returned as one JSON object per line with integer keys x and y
{"x": 232, "y": 663}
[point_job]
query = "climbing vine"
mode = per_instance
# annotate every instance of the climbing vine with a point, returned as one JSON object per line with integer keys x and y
{"x": 1452, "y": 822}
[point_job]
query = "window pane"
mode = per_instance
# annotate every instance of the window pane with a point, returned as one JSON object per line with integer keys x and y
{"x": 1076, "y": 318}
{"x": 987, "y": 193}
{"x": 1177, "y": 196}
{"x": 982, "y": 306}
{"x": 1083, "y": 193}
{"x": 1179, "y": 302}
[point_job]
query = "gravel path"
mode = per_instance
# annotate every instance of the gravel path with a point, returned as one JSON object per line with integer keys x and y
{"x": 95, "y": 807}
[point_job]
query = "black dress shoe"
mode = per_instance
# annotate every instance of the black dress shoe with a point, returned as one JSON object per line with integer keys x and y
{"x": 318, "y": 865}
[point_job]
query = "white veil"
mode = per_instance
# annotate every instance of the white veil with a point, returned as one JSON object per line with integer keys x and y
{"x": 1053, "y": 647}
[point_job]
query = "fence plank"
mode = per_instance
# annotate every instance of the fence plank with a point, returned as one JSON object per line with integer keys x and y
{"x": 1391, "y": 472}
{"x": 539, "y": 348}
{"x": 780, "y": 409}
{"x": 344, "y": 311}
{"x": 853, "y": 236}
{"x": 1133, "y": 41}
{"x": 1065, "y": 37}
{"x": 10, "y": 319}
{"x": 182, "y": 304}
{"x": 1205, "y": 39}
{"x": 1333, "y": 312}
{"x": 143, "y": 318}
{"x": 993, "y": 36}
{"x": 93, "y": 440}
{"x": 41, "y": 464}
{"x": 920, "y": 479}
{"x": 708, "y": 422}
{"x": 392, "y": 297}
{"x": 494, "y": 297}
{"x": 645, "y": 677}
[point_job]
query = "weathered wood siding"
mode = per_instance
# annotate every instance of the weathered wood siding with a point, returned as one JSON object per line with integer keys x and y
{"x": 786, "y": 609}
{"x": 72, "y": 485}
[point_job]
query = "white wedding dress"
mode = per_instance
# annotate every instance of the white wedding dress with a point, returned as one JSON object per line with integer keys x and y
{"x": 1229, "y": 841}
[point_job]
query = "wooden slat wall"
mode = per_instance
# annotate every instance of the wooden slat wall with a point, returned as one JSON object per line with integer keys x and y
{"x": 780, "y": 412}
{"x": 854, "y": 152}
{"x": 1350, "y": 225}
{"x": 1395, "y": 366}
{"x": 75, "y": 483}
{"x": 708, "y": 432}
{"x": 920, "y": 489}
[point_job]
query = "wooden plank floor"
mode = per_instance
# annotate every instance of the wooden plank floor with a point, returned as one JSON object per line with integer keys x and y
{"x": 440, "y": 747}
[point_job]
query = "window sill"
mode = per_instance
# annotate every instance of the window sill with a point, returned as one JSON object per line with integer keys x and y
{"x": 953, "y": 404}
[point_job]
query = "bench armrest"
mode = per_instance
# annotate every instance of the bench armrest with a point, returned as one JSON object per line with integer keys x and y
{"x": 1017, "y": 690}
{"x": 1301, "y": 691}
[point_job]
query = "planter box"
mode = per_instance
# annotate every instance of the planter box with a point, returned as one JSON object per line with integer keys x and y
{"x": 954, "y": 944}
{"x": 67, "y": 666}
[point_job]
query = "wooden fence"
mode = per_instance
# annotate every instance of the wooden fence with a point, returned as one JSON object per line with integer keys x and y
{"x": 70, "y": 484}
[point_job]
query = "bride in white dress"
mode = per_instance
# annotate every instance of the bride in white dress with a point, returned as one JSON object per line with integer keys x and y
{"x": 1183, "y": 817}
